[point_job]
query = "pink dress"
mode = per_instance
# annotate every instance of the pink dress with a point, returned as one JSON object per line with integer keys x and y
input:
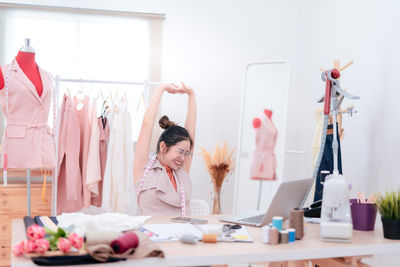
{"x": 30, "y": 141}
{"x": 158, "y": 196}
{"x": 104, "y": 136}
{"x": 84, "y": 124}
{"x": 69, "y": 190}
{"x": 93, "y": 173}
{"x": 263, "y": 166}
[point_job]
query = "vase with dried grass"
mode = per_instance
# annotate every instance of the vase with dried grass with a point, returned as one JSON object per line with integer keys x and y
{"x": 219, "y": 164}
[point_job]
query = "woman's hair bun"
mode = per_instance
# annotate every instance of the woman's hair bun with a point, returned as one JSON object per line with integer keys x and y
{"x": 165, "y": 123}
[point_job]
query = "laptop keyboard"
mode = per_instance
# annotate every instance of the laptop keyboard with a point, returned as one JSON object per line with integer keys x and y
{"x": 255, "y": 219}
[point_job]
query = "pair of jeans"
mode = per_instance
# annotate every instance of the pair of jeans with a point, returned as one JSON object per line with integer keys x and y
{"x": 327, "y": 162}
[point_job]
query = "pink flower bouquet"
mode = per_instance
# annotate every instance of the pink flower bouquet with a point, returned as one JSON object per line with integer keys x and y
{"x": 38, "y": 242}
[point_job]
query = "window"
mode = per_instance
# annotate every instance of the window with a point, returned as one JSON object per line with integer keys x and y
{"x": 88, "y": 45}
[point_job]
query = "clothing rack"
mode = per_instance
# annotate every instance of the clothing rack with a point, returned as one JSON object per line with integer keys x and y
{"x": 57, "y": 81}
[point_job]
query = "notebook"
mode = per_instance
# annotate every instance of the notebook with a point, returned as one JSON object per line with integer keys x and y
{"x": 288, "y": 196}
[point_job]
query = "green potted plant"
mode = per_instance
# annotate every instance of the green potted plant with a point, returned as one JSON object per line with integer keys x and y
{"x": 389, "y": 208}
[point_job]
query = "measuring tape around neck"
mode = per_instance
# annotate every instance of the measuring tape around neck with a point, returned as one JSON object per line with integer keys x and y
{"x": 145, "y": 174}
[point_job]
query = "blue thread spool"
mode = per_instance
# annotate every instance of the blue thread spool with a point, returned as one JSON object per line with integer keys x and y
{"x": 292, "y": 235}
{"x": 277, "y": 222}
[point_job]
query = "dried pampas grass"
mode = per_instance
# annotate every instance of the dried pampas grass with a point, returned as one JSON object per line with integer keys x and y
{"x": 219, "y": 164}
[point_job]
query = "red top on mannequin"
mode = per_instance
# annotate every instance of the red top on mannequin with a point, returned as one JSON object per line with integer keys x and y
{"x": 28, "y": 65}
{"x": 257, "y": 121}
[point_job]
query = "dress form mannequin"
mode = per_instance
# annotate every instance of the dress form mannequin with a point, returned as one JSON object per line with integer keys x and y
{"x": 264, "y": 162}
{"x": 26, "y": 61}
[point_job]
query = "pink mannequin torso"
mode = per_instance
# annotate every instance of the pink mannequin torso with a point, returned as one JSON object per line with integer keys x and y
{"x": 257, "y": 121}
{"x": 263, "y": 165}
{"x": 28, "y": 65}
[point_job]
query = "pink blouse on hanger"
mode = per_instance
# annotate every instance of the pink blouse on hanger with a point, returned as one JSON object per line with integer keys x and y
{"x": 69, "y": 192}
{"x": 263, "y": 166}
{"x": 82, "y": 111}
{"x": 30, "y": 141}
{"x": 104, "y": 136}
{"x": 93, "y": 173}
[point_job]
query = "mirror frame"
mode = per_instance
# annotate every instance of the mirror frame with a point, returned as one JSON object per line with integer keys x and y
{"x": 243, "y": 98}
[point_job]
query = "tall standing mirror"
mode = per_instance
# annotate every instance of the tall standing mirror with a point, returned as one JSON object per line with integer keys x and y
{"x": 265, "y": 86}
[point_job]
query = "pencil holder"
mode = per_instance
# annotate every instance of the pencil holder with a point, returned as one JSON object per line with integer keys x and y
{"x": 363, "y": 215}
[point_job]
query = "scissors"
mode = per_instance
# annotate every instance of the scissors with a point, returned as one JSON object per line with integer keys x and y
{"x": 228, "y": 229}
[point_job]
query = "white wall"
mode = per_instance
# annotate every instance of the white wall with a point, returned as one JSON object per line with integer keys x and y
{"x": 368, "y": 33}
{"x": 208, "y": 43}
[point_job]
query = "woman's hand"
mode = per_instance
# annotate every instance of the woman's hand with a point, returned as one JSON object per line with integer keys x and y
{"x": 170, "y": 88}
{"x": 175, "y": 89}
{"x": 185, "y": 89}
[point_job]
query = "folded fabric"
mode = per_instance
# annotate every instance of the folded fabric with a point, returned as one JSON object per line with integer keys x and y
{"x": 105, "y": 221}
{"x": 146, "y": 248}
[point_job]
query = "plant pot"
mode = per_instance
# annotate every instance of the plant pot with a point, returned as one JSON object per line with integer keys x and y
{"x": 391, "y": 228}
{"x": 363, "y": 215}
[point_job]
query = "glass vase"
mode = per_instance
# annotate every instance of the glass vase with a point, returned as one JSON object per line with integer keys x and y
{"x": 217, "y": 201}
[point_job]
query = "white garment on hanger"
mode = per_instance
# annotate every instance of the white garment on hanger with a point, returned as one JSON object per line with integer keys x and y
{"x": 105, "y": 204}
{"x": 93, "y": 171}
{"x": 118, "y": 177}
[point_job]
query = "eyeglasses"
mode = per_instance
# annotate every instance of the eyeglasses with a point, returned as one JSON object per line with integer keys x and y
{"x": 184, "y": 153}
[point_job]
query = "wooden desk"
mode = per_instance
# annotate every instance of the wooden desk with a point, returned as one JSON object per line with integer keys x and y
{"x": 311, "y": 247}
{"x": 13, "y": 204}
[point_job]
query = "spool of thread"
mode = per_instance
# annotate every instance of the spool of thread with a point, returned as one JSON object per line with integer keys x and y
{"x": 273, "y": 236}
{"x": 277, "y": 222}
{"x": 296, "y": 221}
{"x": 188, "y": 239}
{"x": 265, "y": 234}
{"x": 210, "y": 238}
{"x": 100, "y": 237}
{"x": 292, "y": 235}
{"x": 123, "y": 243}
{"x": 283, "y": 236}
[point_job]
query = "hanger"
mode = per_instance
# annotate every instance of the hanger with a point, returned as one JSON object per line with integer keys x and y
{"x": 124, "y": 97}
{"x": 141, "y": 99}
{"x": 79, "y": 94}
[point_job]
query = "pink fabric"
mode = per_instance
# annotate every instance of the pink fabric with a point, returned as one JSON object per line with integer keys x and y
{"x": 93, "y": 173}
{"x": 104, "y": 136}
{"x": 263, "y": 166}
{"x": 158, "y": 196}
{"x": 30, "y": 141}
{"x": 69, "y": 192}
{"x": 84, "y": 124}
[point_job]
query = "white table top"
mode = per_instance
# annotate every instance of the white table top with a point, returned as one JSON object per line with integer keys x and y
{"x": 310, "y": 247}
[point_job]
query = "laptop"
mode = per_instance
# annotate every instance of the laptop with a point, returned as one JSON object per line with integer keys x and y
{"x": 288, "y": 196}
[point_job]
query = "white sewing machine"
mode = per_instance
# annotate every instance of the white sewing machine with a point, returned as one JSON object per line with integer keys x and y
{"x": 336, "y": 224}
